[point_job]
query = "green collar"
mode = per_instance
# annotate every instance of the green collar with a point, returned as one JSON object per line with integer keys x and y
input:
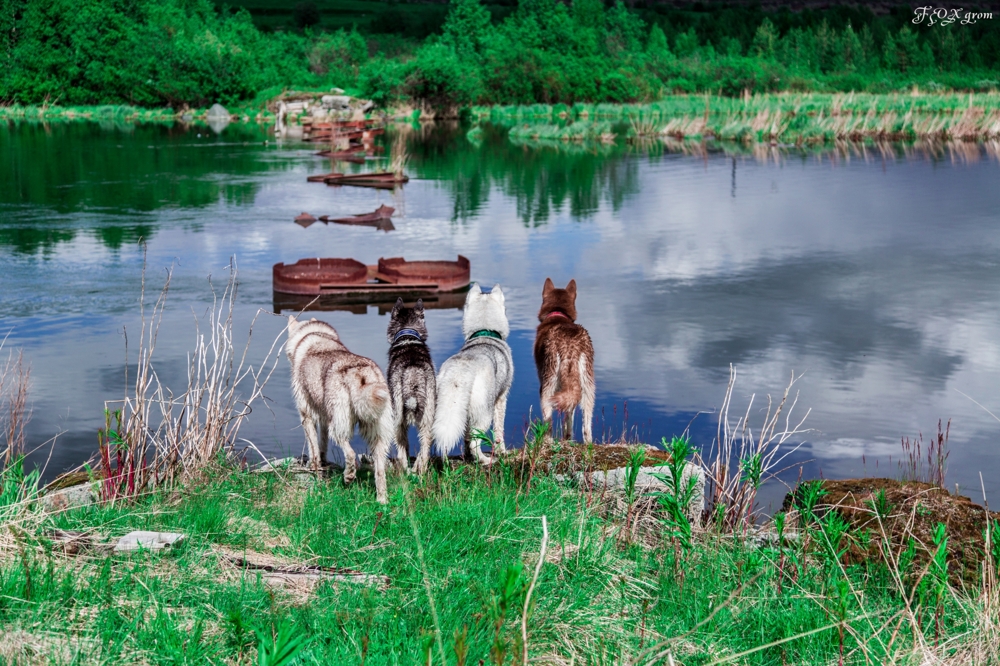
{"x": 486, "y": 334}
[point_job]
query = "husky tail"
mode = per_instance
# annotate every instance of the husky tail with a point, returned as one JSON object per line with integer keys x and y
{"x": 571, "y": 378}
{"x": 370, "y": 400}
{"x": 451, "y": 413}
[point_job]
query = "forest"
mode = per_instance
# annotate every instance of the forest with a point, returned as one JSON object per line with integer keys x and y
{"x": 177, "y": 53}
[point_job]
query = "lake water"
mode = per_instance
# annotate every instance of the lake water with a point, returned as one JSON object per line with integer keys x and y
{"x": 873, "y": 272}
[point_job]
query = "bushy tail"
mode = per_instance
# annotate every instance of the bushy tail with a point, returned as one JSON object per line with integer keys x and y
{"x": 570, "y": 379}
{"x": 370, "y": 401}
{"x": 451, "y": 414}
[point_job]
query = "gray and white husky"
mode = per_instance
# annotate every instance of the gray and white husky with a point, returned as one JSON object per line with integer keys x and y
{"x": 411, "y": 381}
{"x": 472, "y": 385}
{"x": 334, "y": 391}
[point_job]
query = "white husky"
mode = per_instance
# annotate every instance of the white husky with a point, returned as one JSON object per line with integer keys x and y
{"x": 472, "y": 385}
{"x": 336, "y": 390}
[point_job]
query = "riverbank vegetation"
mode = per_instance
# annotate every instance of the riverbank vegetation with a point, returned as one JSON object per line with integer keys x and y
{"x": 461, "y": 568}
{"x": 189, "y": 53}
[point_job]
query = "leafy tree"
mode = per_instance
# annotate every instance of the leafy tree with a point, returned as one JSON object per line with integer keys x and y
{"x": 765, "y": 40}
{"x": 466, "y": 27}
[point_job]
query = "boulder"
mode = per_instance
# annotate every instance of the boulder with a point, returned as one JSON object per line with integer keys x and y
{"x": 336, "y": 102}
{"x": 68, "y": 498}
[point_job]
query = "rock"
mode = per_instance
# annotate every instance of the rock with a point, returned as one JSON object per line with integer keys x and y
{"x": 336, "y": 102}
{"x": 647, "y": 483}
{"x": 69, "y": 498}
{"x": 337, "y": 91}
{"x": 217, "y": 111}
{"x": 148, "y": 541}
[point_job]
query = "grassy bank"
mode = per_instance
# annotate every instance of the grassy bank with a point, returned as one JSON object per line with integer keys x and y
{"x": 784, "y": 117}
{"x": 459, "y": 550}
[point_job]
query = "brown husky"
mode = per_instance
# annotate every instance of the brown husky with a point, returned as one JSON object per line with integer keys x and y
{"x": 334, "y": 390}
{"x": 564, "y": 356}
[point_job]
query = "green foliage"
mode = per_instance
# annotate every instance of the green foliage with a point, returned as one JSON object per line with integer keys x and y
{"x": 681, "y": 488}
{"x": 280, "y": 647}
{"x": 466, "y": 27}
{"x": 176, "y": 52}
{"x": 16, "y": 487}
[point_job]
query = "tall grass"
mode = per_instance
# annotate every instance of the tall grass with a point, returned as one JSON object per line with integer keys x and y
{"x": 800, "y": 118}
{"x": 163, "y": 434}
{"x": 14, "y": 411}
{"x": 744, "y": 455}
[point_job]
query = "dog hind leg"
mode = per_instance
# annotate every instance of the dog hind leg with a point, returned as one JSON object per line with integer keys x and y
{"x": 547, "y": 391}
{"x": 312, "y": 440}
{"x": 341, "y": 430}
{"x": 377, "y": 435}
{"x": 402, "y": 460}
{"x": 499, "y": 415}
{"x": 587, "y": 397}
{"x": 425, "y": 433}
{"x": 567, "y": 429}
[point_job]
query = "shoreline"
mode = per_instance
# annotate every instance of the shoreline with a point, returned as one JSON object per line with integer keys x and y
{"x": 793, "y": 119}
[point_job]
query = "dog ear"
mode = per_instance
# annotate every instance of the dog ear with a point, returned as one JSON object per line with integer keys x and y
{"x": 292, "y": 320}
{"x": 548, "y": 287}
{"x": 571, "y": 288}
{"x": 397, "y": 307}
{"x": 475, "y": 289}
{"x": 497, "y": 292}
{"x": 420, "y": 305}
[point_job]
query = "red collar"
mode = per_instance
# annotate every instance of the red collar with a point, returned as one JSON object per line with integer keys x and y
{"x": 556, "y": 313}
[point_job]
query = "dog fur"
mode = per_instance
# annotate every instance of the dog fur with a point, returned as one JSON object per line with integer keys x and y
{"x": 334, "y": 391}
{"x": 411, "y": 381}
{"x": 564, "y": 357}
{"x": 472, "y": 385}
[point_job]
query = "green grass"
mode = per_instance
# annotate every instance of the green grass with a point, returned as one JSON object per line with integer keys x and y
{"x": 459, "y": 549}
{"x": 786, "y": 117}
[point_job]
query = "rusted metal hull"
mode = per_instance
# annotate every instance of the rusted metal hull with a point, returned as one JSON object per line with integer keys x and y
{"x": 383, "y": 212}
{"x": 384, "y": 179}
{"x": 352, "y": 279}
{"x": 358, "y": 303}
{"x": 321, "y": 178}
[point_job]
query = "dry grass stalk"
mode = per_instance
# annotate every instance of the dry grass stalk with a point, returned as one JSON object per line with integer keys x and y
{"x": 166, "y": 436}
{"x": 400, "y": 153}
{"x": 14, "y": 412}
{"x": 741, "y": 459}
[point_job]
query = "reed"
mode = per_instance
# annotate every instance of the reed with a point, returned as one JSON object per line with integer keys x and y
{"x": 163, "y": 435}
{"x": 14, "y": 411}
{"x": 806, "y": 118}
{"x": 400, "y": 152}
{"x": 742, "y": 458}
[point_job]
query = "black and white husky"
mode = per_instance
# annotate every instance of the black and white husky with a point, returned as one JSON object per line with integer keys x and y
{"x": 411, "y": 381}
{"x": 473, "y": 384}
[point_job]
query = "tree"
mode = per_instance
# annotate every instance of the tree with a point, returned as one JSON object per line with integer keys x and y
{"x": 466, "y": 26}
{"x": 851, "y": 53}
{"x": 765, "y": 39}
